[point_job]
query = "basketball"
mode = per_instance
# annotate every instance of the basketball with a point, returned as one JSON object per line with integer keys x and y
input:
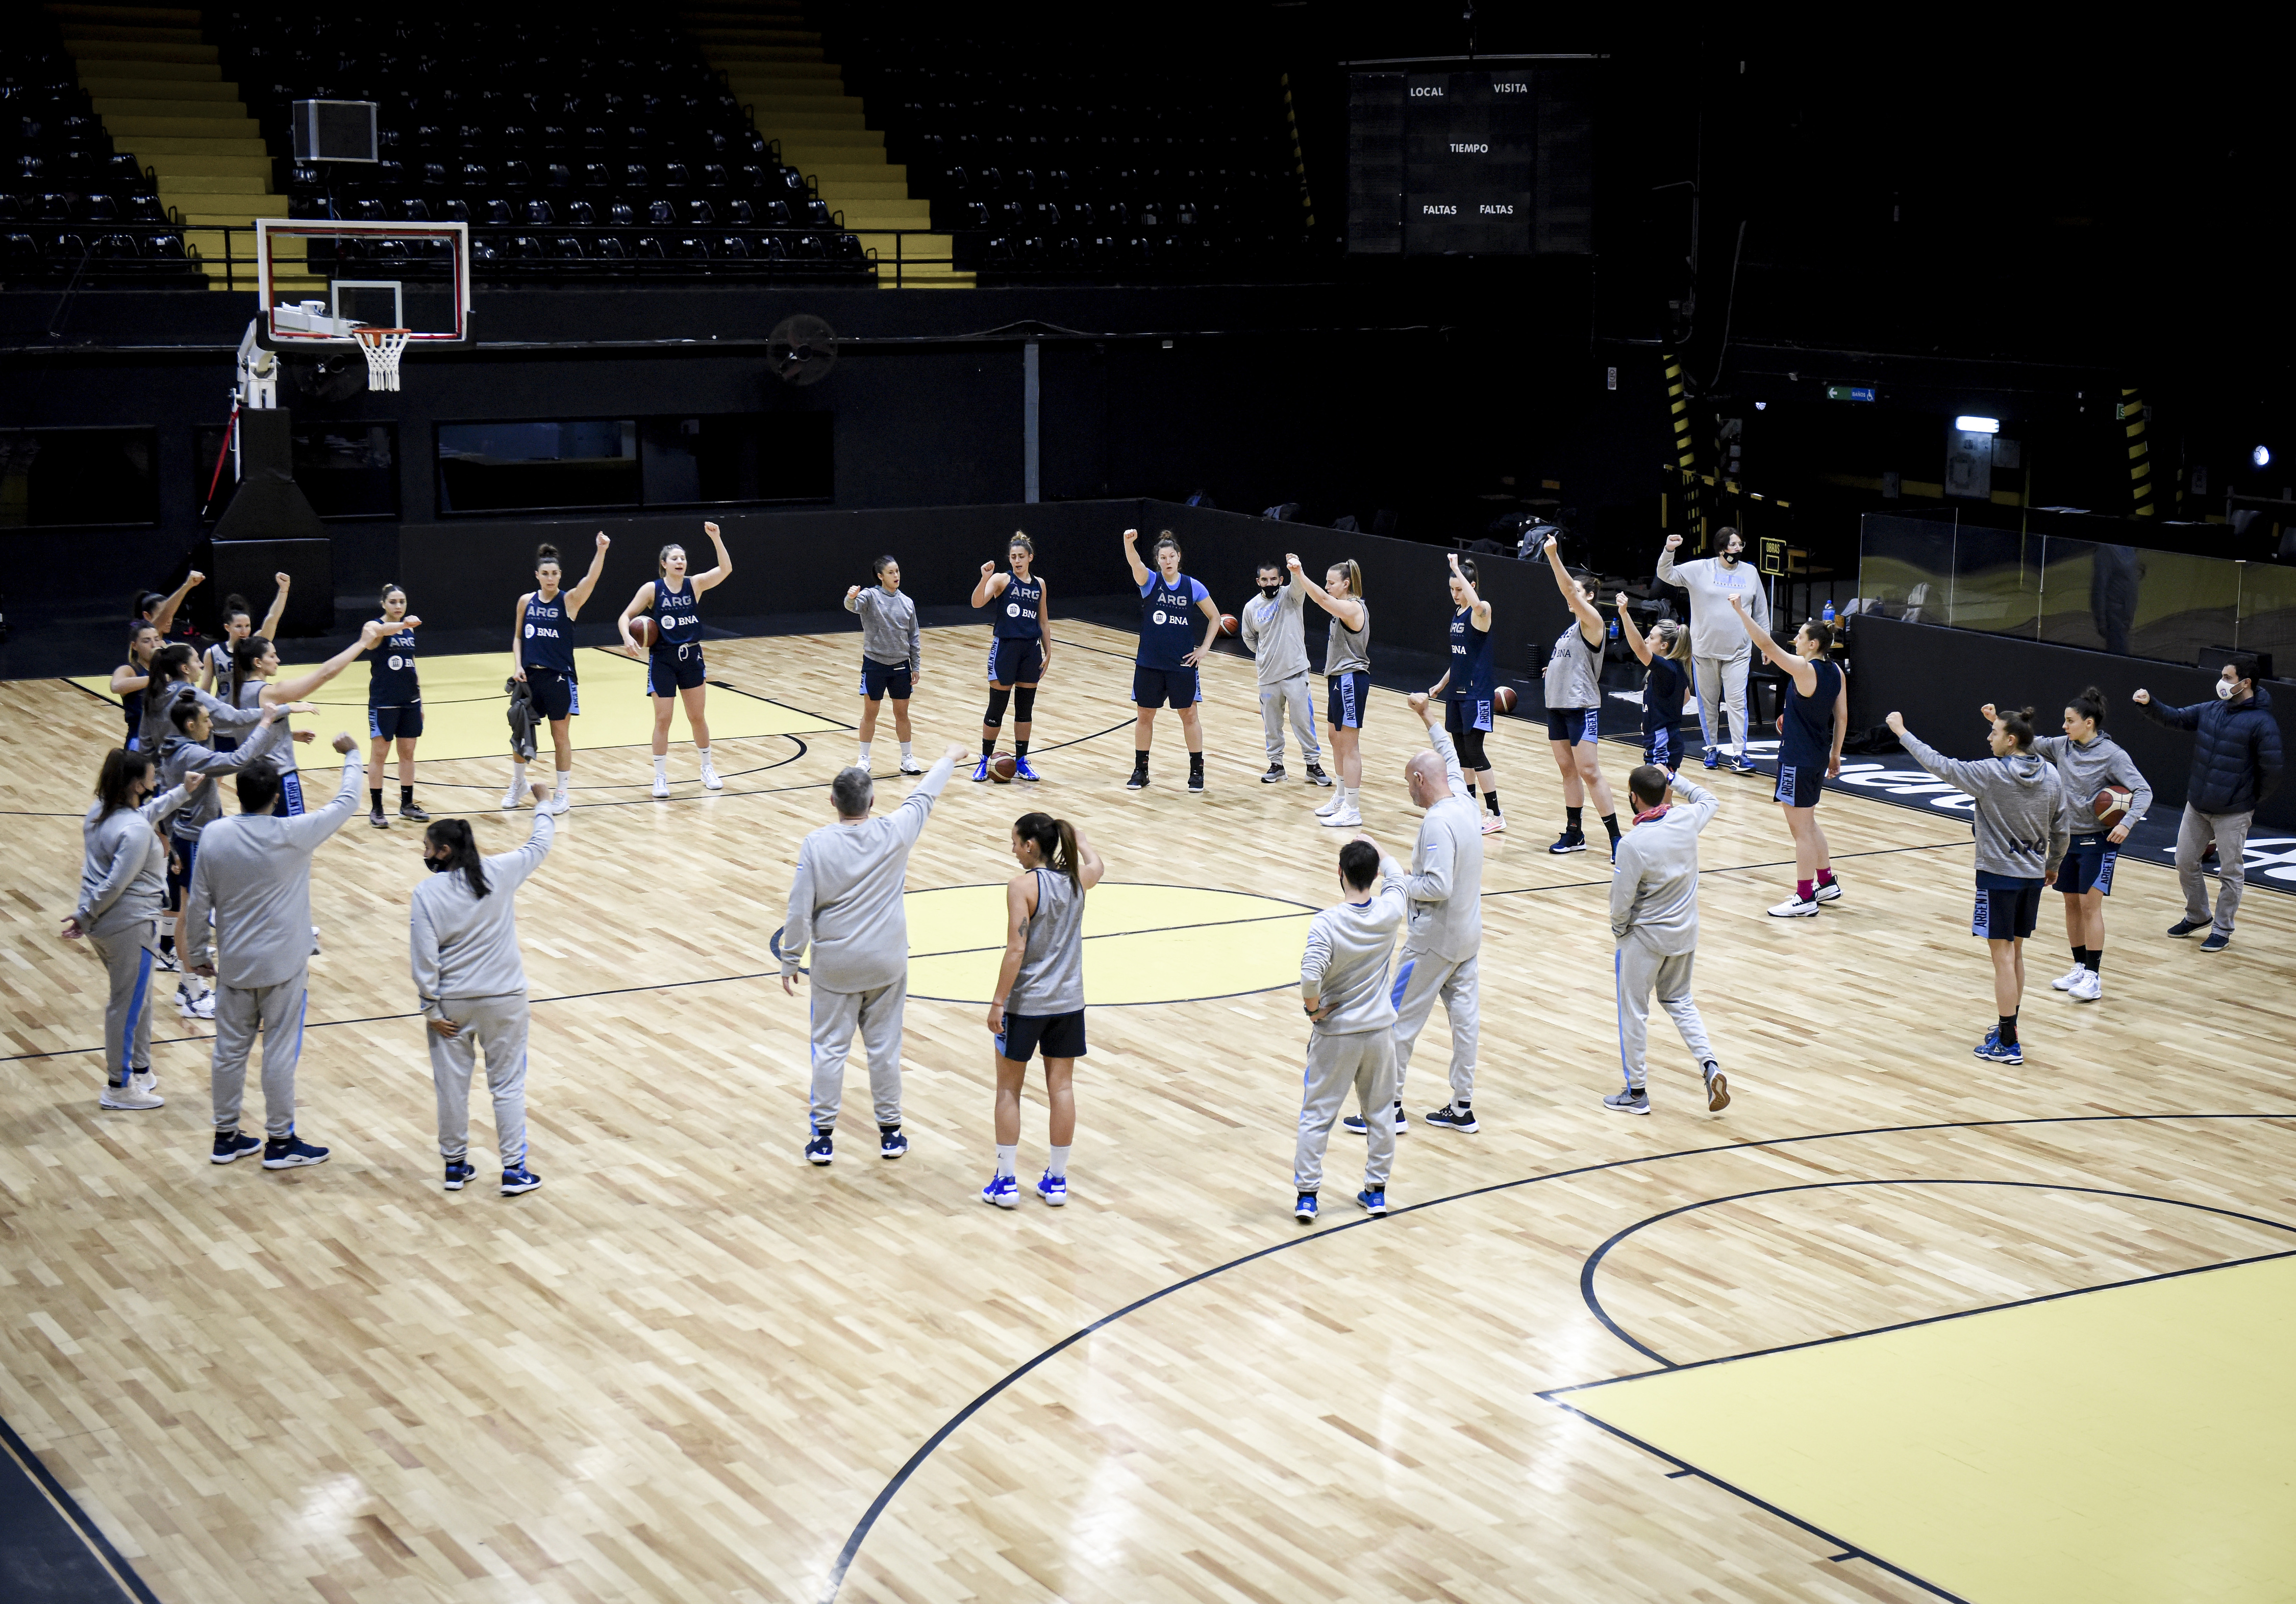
{"x": 1001, "y": 768}
{"x": 1228, "y": 624}
{"x": 645, "y": 632}
{"x": 1503, "y": 698}
{"x": 2112, "y": 804}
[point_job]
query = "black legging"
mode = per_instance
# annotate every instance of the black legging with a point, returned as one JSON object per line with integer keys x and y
{"x": 1470, "y": 743}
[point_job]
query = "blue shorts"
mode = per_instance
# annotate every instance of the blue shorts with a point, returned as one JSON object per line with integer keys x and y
{"x": 879, "y": 679}
{"x": 1574, "y": 724}
{"x": 2007, "y": 909}
{"x": 1460, "y": 717}
{"x": 395, "y": 724}
{"x": 290, "y": 804}
{"x": 1800, "y": 784}
{"x": 1348, "y": 693}
{"x": 671, "y": 669}
{"x": 1055, "y": 1036}
{"x": 1015, "y": 662}
{"x": 556, "y": 695}
{"x": 2088, "y": 865}
{"x": 1165, "y": 687}
{"x": 183, "y": 855}
{"x": 1662, "y": 747}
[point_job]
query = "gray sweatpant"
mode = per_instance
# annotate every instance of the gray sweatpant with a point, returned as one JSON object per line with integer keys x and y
{"x": 1640, "y": 970}
{"x": 1721, "y": 682}
{"x": 1365, "y": 1061}
{"x": 2229, "y": 832}
{"x": 127, "y": 951}
{"x": 877, "y": 1014}
{"x": 277, "y": 1012}
{"x": 1273, "y": 700}
{"x": 1423, "y": 979}
{"x": 497, "y": 1027}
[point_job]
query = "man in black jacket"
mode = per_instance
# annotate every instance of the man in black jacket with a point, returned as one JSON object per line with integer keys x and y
{"x": 2235, "y": 765}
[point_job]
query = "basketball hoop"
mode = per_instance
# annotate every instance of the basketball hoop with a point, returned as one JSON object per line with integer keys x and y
{"x": 382, "y": 347}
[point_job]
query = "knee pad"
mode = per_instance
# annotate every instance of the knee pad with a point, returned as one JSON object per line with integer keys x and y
{"x": 1024, "y": 703}
{"x": 1470, "y": 743}
{"x": 995, "y": 718}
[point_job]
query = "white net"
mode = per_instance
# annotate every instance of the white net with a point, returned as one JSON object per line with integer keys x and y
{"x": 382, "y": 347}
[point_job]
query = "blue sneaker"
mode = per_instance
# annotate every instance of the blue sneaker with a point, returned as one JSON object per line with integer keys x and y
{"x": 890, "y": 1142}
{"x": 2218, "y": 940}
{"x": 459, "y": 1173}
{"x": 1003, "y": 1191}
{"x": 518, "y": 1179}
{"x": 230, "y": 1145}
{"x": 819, "y": 1149}
{"x": 1021, "y": 771}
{"x": 291, "y": 1152}
{"x": 1713, "y": 758}
{"x": 1053, "y": 1189}
{"x": 981, "y": 769}
{"x": 1992, "y": 1049}
{"x": 1743, "y": 764}
{"x": 1304, "y": 1209}
{"x": 1373, "y": 1202}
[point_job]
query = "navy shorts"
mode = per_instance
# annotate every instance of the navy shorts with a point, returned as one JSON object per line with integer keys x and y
{"x": 1347, "y": 694}
{"x": 1460, "y": 717}
{"x": 1055, "y": 1036}
{"x": 880, "y": 680}
{"x": 1662, "y": 747}
{"x": 1574, "y": 724}
{"x": 182, "y": 856}
{"x": 1165, "y": 687}
{"x": 2088, "y": 865}
{"x": 671, "y": 669}
{"x": 556, "y": 695}
{"x": 2007, "y": 909}
{"x": 403, "y": 723}
{"x": 1015, "y": 662}
{"x": 1800, "y": 784}
{"x": 290, "y": 804}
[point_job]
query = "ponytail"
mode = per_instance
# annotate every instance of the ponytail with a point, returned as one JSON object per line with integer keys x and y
{"x": 2089, "y": 705}
{"x": 2017, "y": 724}
{"x": 244, "y": 655}
{"x": 1055, "y": 842}
{"x": 183, "y": 712}
{"x": 1821, "y": 632}
{"x": 1673, "y": 640}
{"x": 462, "y": 851}
{"x": 1354, "y": 571}
{"x": 121, "y": 769}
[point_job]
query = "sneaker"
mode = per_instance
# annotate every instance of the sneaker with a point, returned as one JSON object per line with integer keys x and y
{"x": 230, "y": 1146}
{"x": 2070, "y": 978}
{"x": 1338, "y": 801}
{"x": 1718, "y": 1088}
{"x": 1196, "y": 778}
{"x": 981, "y": 770}
{"x": 1831, "y": 891}
{"x": 518, "y": 1179}
{"x": 167, "y": 962}
{"x": 1993, "y": 1050}
{"x": 1451, "y": 1117}
{"x": 1303, "y": 1207}
{"x": 1373, "y": 1201}
{"x": 460, "y": 1171}
{"x": 1022, "y": 772}
{"x": 890, "y": 1142}
{"x": 1354, "y": 1122}
{"x": 561, "y": 802}
{"x": 1139, "y": 781}
{"x": 1635, "y": 1100}
{"x": 2216, "y": 942}
{"x": 1493, "y": 823}
{"x": 374, "y": 817}
{"x": 1743, "y": 764}
{"x": 291, "y": 1152}
{"x": 414, "y": 813}
{"x": 203, "y": 1005}
{"x": 130, "y": 1096}
{"x": 1570, "y": 840}
{"x": 1053, "y": 1189}
{"x": 1340, "y": 818}
{"x": 817, "y": 1150}
{"x": 2185, "y": 927}
{"x": 1713, "y": 758}
{"x": 1316, "y": 776}
{"x": 145, "y": 1081}
{"x": 513, "y": 798}
{"x": 910, "y": 765}
{"x": 1795, "y": 908}
{"x": 187, "y": 1004}
{"x": 660, "y": 787}
{"x": 2091, "y": 985}
{"x": 709, "y": 780}
{"x": 1003, "y": 1191}
{"x": 1275, "y": 772}
{"x": 315, "y": 941}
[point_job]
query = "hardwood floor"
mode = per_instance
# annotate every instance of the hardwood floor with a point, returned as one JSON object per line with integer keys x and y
{"x": 688, "y": 1367}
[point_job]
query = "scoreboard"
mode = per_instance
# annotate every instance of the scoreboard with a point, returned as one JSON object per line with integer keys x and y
{"x": 1483, "y": 163}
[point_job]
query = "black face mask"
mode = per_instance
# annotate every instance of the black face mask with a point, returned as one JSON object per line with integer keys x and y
{"x": 1730, "y": 558}
{"x": 437, "y": 865}
{"x": 1268, "y": 590}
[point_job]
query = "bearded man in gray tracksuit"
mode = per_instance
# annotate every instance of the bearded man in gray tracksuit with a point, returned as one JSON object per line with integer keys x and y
{"x": 1721, "y": 653}
{"x": 1654, "y": 920}
{"x": 1343, "y": 986}
{"x": 845, "y": 903}
{"x": 1275, "y": 629}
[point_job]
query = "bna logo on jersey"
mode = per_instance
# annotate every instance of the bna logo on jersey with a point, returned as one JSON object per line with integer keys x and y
{"x": 529, "y": 632}
{"x": 1013, "y": 610}
{"x": 1159, "y": 615}
{"x": 397, "y": 661}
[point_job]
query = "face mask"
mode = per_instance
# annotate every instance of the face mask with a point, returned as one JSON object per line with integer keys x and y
{"x": 1268, "y": 590}
{"x": 1729, "y": 559}
{"x": 437, "y": 865}
{"x": 2224, "y": 689}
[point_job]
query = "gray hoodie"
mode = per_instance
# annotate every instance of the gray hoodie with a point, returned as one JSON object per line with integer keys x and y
{"x": 2086, "y": 770}
{"x": 254, "y": 875}
{"x": 1654, "y": 889}
{"x": 182, "y": 754}
{"x": 123, "y": 874}
{"x": 889, "y": 628}
{"x": 845, "y": 898}
{"x": 1715, "y": 631}
{"x": 1445, "y": 882}
{"x": 463, "y": 945}
{"x": 2021, "y": 812}
{"x": 159, "y": 701}
{"x": 1276, "y": 631}
{"x": 1351, "y": 948}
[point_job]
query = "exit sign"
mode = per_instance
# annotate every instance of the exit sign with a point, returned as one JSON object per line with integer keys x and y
{"x": 1850, "y": 392}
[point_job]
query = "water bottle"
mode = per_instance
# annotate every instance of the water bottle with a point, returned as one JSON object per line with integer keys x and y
{"x": 1825, "y": 614}
{"x": 1614, "y": 626}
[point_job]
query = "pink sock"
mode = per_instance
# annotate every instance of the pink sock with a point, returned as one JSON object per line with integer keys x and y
{"x": 1825, "y": 877}
{"x": 1802, "y": 889}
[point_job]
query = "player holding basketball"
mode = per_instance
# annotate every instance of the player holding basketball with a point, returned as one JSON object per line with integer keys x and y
{"x": 2020, "y": 820}
{"x": 892, "y": 657}
{"x": 1467, "y": 687}
{"x": 1020, "y": 652}
{"x": 1718, "y": 655}
{"x": 1039, "y": 1002}
{"x": 845, "y": 903}
{"x": 674, "y": 672}
{"x": 1654, "y": 920}
{"x": 1573, "y": 690}
{"x": 1347, "y": 679}
{"x": 1814, "y": 723}
{"x": 1164, "y": 671}
{"x": 1344, "y": 990}
{"x": 1276, "y": 632}
{"x": 541, "y": 655}
{"x": 394, "y": 709}
{"x": 1661, "y": 653}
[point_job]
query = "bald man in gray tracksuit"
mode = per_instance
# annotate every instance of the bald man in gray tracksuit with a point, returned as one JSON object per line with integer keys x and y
{"x": 1275, "y": 629}
{"x": 1654, "y": 920}
{"x": 845, "y": 903}
{"x": 1445, "y": 935}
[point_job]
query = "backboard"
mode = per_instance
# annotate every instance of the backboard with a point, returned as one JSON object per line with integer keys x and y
{"x": 317, "y": 276}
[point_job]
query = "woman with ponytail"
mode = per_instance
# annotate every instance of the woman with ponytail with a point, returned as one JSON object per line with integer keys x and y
{"x": 471, "y": 985}
{"x": 1038, "y": 1003}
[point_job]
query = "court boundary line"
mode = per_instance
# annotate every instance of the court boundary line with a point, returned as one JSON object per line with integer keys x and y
{"x": 114, "y": 1562}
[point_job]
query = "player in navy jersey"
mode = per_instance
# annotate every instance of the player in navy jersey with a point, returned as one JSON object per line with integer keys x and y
{"x": 1164, "y": 671}
{"x": 541, "y": 655}
{"x": 1019, "y": 650}
{"x": 1812, "y": 723}
{"x": 1662, "y": 652}
{"x": 238, "y": 624}
{"x": 674, "y": 667}
{"x": 1467, "y": 686}
{"x": 394, "y": 709}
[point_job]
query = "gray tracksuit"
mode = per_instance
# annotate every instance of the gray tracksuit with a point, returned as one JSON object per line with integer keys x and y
{"x": 1350, "y": 951}
{"x": 123, "y": 887}
{"x": 2019, "y": 816}
{"x": 2086, "y": 770}
{"x": 1445, "y": 888}
{"x": 181, "y": 755}
{"x": 158, "y": 724}
{"x": 1275, "y": 630}
{"x": 845, "y": 903}
{"x": 254, "y": 877}
{"x": 1721, "y": 653}
{"x": 463, "y": 951}
{"x": 1654, "y": 920}
{"x": 889, "y": 628}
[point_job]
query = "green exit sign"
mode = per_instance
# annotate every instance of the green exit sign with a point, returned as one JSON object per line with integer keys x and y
{"x": 1850, "y": 392}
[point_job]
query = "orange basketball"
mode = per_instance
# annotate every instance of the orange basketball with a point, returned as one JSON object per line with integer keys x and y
{"x": 1228, "y": 624}
{"x": 1002, "y": 768}
{"x": 1503, "y": 698}
{"x": 645, "y": 632}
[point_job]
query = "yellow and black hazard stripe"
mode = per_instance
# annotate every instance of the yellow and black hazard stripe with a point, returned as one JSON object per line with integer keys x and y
{"x": 1685, "y": 453}
{"x": 2131, "y": 413}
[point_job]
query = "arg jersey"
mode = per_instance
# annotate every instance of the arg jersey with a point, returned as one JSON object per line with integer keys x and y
{"x": 1809, "y": 720}
{"x": 1662, "y": 689}
{"x": 1471, "y": 678}
{"x": 678, "y": 611}
{"x": 1017, "y": 610}
{"x": 390, "y": 676}
{"x": 549, "y": 633}
{"x": 1168, "y": 621}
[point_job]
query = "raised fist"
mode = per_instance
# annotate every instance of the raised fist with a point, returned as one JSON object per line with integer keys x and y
{"x": 1674, "y": 542}
{"x": 987, "y": 568}
{"x": 343, "y": 743}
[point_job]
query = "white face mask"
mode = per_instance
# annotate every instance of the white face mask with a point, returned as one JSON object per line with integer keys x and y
{"x": 2224, "y": 689}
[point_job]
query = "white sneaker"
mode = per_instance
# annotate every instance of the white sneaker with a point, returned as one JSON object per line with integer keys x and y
{"x": 144, "y": 1080}
{"x": 1794, "y": 907}
{"x": 315, "y": 941}
{"x": 1493, "y": 823}
{"x": 910, "y": 765}
{"x": 2088, "y": 988}
{"x": 660, "y": 785}
{"x": 129, "y": 1096}
{"x": 2070, "y": 978}
{"x": 560, "y": 802}
{"x": 1346, "y": 818}
{"x": 513, "y": 798}
{"x": 203, "y": 1005}
{"x": 187, "y": 1004}
{"x": 709, "y": 780}
{"x": 1338, "y": 800}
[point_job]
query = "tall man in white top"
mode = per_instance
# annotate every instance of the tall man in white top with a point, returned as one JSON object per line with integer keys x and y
{"x": 1351, "y": 1007}
{"x": 1719, "y": 651}
{"x": 1275, "y": 628}
{"x": 1654, "y": 920}
{"x": 845, "y": 903}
